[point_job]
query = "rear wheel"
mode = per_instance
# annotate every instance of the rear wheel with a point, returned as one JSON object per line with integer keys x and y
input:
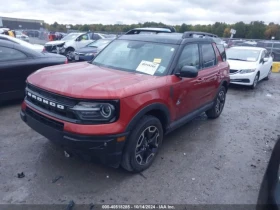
{"x": 143, "y": 144}
{"x": 256, "y": 80}
{"x": 219, "y": 103}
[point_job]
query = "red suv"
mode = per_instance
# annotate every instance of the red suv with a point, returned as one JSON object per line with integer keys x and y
{"x": 118, "y": 107}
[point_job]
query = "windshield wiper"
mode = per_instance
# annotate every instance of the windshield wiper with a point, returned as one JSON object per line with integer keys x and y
{"x": 236, "y": 59}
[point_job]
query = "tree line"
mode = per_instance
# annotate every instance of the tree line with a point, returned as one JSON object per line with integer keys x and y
{"x": 252, "y": 30}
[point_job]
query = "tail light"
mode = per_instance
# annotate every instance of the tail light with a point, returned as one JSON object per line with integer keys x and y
{"x": 66, "y": 61}
{"x": 44, "y": 50}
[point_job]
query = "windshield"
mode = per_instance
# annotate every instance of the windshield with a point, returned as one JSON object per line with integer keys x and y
{"x": 243, "y": 54}
{"x": 136, "y": 56}
{"x": 71, "y": 36}
{"x": 100, "y": 43}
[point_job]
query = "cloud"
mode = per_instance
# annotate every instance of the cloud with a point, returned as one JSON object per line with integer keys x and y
{"x": 127, "y": 11}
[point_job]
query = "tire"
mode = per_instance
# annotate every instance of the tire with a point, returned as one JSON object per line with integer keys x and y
{"x": 68, "y": 53}
{"x": 219, "y": 104}
{"x": 256, "y": 80}
{"x": 268, "y": 75}
{"x": 148, "y": 127}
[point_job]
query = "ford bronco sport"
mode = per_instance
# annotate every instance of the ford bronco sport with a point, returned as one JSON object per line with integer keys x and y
{"x": 118, "y": 107}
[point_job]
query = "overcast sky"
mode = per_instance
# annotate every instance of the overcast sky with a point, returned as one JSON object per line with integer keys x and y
{"x": 132, "y": 11}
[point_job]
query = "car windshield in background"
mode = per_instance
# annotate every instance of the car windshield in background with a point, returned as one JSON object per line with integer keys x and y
{"x": 243, "y": 54}
{"x": 70, "y": 36}
{"x": 136, "y": 56}
{"x": 99, "y": 43}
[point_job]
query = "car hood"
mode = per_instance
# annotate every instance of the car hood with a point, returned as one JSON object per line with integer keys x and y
{"x": 87, "y": 50}
{"x": 84, "y": 80}
{"x": 238, "y": 65}
{"x": 58, "y": 42}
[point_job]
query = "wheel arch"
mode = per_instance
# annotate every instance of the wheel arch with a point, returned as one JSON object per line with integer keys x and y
{"x": 157, "y": 110}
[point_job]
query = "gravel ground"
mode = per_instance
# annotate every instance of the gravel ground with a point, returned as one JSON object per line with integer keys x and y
{"x": 218, "y": 161}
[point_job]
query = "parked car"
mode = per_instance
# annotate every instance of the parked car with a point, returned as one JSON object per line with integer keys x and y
{"x": 20, "y": 35}
{"x": 88, "y": 52}
{"x": 17, "y": 62}
{"x": 232, "y": 43}
{"x": 268, "y": 198}
{"x": 73, "y": 41}
{"x": 36, "y": 47}
{"x": 272, "y": 47}
{"x": 118, "y": 107}
{"x": 249, "y": 65}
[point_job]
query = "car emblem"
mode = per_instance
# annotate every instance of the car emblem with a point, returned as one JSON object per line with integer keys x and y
{"x": 45, "y": 101}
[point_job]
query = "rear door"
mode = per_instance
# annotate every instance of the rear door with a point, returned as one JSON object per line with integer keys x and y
{"x": 208, "y": 76}
{"x": 15, "y": 66}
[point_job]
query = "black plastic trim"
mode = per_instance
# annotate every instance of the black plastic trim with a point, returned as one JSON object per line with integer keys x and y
{"x": 142, "y": 112}
{"x": 187, "y": 118}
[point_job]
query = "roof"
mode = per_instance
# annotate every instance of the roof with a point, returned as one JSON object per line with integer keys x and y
{"x": 248, "y": 48}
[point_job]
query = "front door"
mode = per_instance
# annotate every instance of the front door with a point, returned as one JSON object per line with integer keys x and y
{"x": 82, "y": 41}
{"x": 187, "y": 91}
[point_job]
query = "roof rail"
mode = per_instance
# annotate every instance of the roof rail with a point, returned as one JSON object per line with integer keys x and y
{"x": 164, "y": 29}
{"x": 191, "y": 34}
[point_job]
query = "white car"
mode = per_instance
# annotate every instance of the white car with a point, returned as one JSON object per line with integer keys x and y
{"x": 20, "y": 35}
{"x": 248, "y": 65}
{"x": 73, "y": 41}
{"x": 36, "y": 47}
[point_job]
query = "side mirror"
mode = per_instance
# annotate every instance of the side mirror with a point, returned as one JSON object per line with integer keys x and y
{"x": 188, "y": 71}
{"x": 265, "y": 59}
{"x": 77, "y": 40}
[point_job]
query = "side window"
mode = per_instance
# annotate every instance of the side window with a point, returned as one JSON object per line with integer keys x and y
{"x": 96, "y": 37}
{"x": 84, "y": 37}
{"x": 208, "y": 55}
{"x": 7, "y": 54}
{"x": 189, "y": 56}
{"x": 266, "y": 53}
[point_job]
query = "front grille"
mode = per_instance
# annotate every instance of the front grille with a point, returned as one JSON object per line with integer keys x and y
{"x": 50, "y": 48}
{"x": 62, "y": 101}
{"x": 76, "y": 53}
{"x": 41, "y": 118}
{"x": 52, "y": 96}
{"x": 233, "y": 71}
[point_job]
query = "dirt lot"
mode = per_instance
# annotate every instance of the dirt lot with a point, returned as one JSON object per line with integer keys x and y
{"x": 205, "y": 161}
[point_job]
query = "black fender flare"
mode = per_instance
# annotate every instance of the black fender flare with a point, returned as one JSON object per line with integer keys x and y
{"x": 155, "y": 106}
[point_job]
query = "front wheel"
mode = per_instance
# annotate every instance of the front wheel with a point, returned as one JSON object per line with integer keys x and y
{"x": 219, "y": 104}
{"x": 69, "y": 54}
{"x": 256, "y": 80}
{"x": 143, "y": 144}
{"x": 268, "y": 75}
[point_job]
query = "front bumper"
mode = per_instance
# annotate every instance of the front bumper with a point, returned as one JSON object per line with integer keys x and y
{"x": 104, "y": 148}
{"x": 242, "y": 79}
{"x": 55, "y": 49}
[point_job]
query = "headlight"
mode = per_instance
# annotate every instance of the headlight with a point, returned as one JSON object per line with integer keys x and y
{"x": 96, "y": 111}
{"x": 245, "y": 71}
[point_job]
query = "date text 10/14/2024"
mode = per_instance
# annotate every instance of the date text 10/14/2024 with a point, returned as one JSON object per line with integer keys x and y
{"x": 138, "y": 207}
